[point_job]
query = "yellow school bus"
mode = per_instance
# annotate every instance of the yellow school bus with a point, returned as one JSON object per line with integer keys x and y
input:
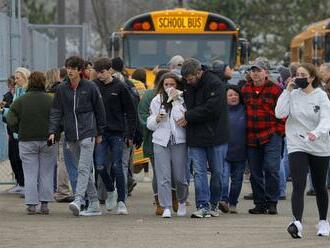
{"x": 152, "y": 38}
{"x": 313, "y": 44}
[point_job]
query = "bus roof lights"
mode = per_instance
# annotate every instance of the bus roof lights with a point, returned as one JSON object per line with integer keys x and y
{"x": 222, "y": 26}
{"x": 213, "y": 26}
{"x": 137, "y": 26}
{"x": 146, "y": 26}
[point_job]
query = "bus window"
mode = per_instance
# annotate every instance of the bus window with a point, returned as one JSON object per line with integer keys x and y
{"x": 157, "y": 49}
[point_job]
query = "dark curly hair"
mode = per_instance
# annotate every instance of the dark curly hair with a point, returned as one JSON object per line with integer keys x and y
{"x": 75, "y": 62}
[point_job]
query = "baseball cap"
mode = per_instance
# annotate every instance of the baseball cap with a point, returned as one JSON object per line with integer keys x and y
{"x": 261, "y": 63}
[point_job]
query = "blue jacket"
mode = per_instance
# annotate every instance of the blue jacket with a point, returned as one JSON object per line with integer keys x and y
{"x": 237, "y": 140}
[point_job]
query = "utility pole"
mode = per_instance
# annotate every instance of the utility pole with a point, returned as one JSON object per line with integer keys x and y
{"x": 61, "y": 47}
{"x": 82, "y": 15}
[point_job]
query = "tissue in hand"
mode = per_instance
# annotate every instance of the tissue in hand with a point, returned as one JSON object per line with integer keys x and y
{"x": 170, "y": 97}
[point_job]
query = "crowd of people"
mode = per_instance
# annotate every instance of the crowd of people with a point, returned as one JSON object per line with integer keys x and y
{"x": 80, "y": 124}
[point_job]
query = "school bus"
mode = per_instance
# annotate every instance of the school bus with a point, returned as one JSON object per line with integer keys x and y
{"x": 151, "y": 39}
{"x": 313, "y": 44}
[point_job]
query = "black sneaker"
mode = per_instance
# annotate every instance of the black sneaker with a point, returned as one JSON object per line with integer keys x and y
{"x": 258, "y": 209}
{"x": 248, "y": 196}
{"x": 272, "y": 209}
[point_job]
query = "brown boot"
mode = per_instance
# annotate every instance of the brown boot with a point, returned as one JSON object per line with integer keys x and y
{"x": 44, "y": 208}
{"x": 159, "y": 209}
{"x": 175, "y": 203}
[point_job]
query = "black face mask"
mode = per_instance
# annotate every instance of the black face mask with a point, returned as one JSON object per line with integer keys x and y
{"x": 301, "y": 82}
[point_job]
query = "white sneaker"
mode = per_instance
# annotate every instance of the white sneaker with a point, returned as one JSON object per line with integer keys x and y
{"x": 16, "y": 190}
{"x": 295, "y": 229}
{"x": 121, "y": 208}
{"x": 75, "y": 208}
{"x": 111, "y": 201}
{"x": 323, "y": 228}
{"x": 92, "y": 210}
{"x": 182, "y": 210}
{"x": 167, "y": 213}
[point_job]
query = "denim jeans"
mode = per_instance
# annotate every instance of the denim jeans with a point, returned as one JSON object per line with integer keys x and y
{"x": 214, "y": 157}
{"x": 114, "y": 144}
{"x": 264, "y": 162}
{"x": 127, "y": 164}
{"x": 235, "y": 171}
{"x": 284, "y": 170}
{"x": 71, "y": 165}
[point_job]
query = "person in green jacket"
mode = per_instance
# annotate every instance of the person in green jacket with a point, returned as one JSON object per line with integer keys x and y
{"x": 143, "y": 113}
{"x": 29, "y": 116}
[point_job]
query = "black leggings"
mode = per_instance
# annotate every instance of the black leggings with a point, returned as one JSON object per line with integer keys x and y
{"x": 15, "y": 160}
{"x": 300, "y": 162}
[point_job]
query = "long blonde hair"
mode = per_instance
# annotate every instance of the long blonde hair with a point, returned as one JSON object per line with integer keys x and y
{"x": 52, "y": 77}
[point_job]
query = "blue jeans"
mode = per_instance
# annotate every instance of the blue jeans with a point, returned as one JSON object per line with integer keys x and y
{"x": 71, "y": 166}
{"x": 235, "y": 171}
{"x": 284, "y": 170}
{"x": 264, "y": 162}
{"x": 115, "y": 145}
{"x": 214, "y": 157}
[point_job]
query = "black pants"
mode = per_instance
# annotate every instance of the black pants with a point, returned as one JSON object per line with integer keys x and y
{"x": 15, "y": 160}
{"x": 300, "y": 162}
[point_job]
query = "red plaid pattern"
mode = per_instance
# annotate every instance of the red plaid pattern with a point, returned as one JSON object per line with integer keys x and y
{"x": 260, "y": 109}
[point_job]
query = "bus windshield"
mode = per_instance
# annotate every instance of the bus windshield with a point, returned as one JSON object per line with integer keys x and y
{"x": 149, "y": 50}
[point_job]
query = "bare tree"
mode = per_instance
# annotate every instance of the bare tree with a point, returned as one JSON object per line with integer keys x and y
{"x": 111, "y": 14}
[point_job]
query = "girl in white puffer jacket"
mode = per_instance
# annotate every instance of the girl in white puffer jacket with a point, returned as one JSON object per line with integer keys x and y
{"x": 170, "y": 150}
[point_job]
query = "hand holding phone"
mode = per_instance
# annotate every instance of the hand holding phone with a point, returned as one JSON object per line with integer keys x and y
{"x": 51, "y": 140}
{"x": 291, "y": 85}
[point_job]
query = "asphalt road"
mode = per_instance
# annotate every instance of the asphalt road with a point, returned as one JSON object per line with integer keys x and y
{"x": 141, "y": 228}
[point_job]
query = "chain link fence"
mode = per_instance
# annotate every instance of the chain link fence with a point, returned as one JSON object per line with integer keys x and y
{"x": 35, "y": 47}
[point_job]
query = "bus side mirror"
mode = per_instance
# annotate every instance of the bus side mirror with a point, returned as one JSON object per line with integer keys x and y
{"x": 114, "y": 43}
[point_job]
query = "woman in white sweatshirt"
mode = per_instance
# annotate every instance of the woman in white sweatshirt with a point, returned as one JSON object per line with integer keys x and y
{"x": 307, "y": 109}
{"x": 169, "y": 139}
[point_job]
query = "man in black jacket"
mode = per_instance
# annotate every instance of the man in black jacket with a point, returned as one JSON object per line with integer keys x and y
{"x": 119, "y": 111}
{"x": 207, "y": 130}
{"x": 78, "y": 104}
